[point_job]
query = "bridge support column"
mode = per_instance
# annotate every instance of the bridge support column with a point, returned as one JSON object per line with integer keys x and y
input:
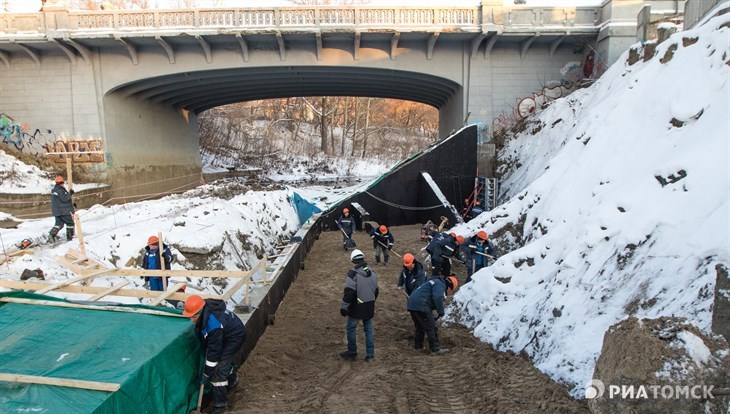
{"x": 619, "y": 19}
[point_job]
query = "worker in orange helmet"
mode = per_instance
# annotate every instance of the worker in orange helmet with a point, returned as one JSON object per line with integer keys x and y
{"x": 62, "y": 208}
{"x": 383, "y": 242}
{"x": 223, "y": 334}
{"x": 423, "y": 301}
{"x": 151, "y": 261}
{"x": 413, "y": 274}
{"x": 441, "y": 249}
{"x": 479, "y": 250}
{"x": 347, "y": 225}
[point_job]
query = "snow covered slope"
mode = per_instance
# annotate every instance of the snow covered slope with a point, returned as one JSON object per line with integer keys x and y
{"x": 616, "y": 204}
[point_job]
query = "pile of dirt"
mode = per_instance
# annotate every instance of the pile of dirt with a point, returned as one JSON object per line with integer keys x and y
{"x": 295, "y": 366}
{"x": 650, "y": 365}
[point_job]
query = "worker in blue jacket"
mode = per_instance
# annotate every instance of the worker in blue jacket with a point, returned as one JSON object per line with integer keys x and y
{"x": 223, "y": 334}
{"x": 413, "y": 274}
{"x": 347, "y": 224}
{"x": 479, "y": 250}
{"x": 423, "y": 301}
{"x": 440, "y": 249}
{"x": 151, "y": 261}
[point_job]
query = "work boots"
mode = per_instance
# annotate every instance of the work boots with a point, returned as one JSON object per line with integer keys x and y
{"x": 53, "y": 233}
{"x": 69, "y": 233}
{"x": 348, "y": 356}
{"x": 439, "y": 351}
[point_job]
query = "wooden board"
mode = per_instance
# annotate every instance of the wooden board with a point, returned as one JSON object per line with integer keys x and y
{"x": 61, "y": 382}
{"x": 89, "y": 307}
{"x": 109, "y": 291}
{"x": 93, "y": 290}
{"x": 167, "y": 294}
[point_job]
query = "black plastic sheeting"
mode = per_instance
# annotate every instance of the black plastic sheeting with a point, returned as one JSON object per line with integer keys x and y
{"x": 452, "y": 163}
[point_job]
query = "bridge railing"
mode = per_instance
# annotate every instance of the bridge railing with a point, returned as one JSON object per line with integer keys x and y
{"x": 464, "y": 19}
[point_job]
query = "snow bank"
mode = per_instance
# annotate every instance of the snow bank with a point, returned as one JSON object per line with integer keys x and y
{"x": 619, "y": 196}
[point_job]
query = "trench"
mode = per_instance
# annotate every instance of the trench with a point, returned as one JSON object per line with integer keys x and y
{"x": 293, "y": 364}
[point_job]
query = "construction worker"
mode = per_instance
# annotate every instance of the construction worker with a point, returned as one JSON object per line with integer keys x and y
{"x": 347, "y": 225}
{"x": 423, "y": 301}
{"x": 440, "y": 249}
{"x": 413, "y": 274}
{"x": 477, "y": 250}
{"x": 62, "y": 208}
{"x": 151, "y": 261}
{"x": 383, "y": 241}
{"x": 223, "y": 335}
{"x": 477, "y": 209}
{"x": 358, "y": 304}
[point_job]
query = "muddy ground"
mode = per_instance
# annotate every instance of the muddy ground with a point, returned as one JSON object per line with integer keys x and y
{"x": 295, "y": 367}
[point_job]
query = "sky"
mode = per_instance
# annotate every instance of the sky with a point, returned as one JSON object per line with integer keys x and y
{"x": 619, "y": 194}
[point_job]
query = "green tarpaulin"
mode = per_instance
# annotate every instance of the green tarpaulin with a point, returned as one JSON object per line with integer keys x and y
{"x": 155, "y": 359}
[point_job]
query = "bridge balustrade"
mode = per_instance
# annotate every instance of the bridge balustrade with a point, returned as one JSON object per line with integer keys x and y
{"x": 465, "y": 19}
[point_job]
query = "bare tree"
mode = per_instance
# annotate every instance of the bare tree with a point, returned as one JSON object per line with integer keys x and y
{"x": 365, "y": 131}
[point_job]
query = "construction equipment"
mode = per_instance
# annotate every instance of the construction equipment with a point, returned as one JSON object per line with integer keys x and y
{"x": 444, "y": 222}
{"x": 394, "y": 252}
{"x": 350, "y": 241}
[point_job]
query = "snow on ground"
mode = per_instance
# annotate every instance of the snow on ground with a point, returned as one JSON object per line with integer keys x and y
{"x": 619, "y": 193}
{"x": 17, "y": 177}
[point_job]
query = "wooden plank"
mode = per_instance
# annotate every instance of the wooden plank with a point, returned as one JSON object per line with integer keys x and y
{"x": 79, "y": 234}
{"x": 90, "y": 307}
{"x": 14, "y": 253}
{"x": 61, "y": 382}
{"x": 167, "y": 294}
{"x": 179, "y": 273}
{"x": 81, "y": 260}
{"x": 92, "y": 290}
{"x": 109, "y": 291}
{"x": 245, "y": 280}
{"x": 70, "y": 281}
{"x": 161, "y": 249}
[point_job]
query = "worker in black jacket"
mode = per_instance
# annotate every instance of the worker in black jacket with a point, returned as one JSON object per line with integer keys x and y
{"x": 223, "y": 334}
{"x": 358, "y": 304}
{"x": 347, "y": 225}
{"x": 62, "y": 208}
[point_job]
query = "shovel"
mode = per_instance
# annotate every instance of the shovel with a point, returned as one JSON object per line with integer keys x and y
{"x": 198, "y": 410}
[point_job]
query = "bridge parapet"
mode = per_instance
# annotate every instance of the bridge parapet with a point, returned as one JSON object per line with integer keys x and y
{"x": 484, "y": 18}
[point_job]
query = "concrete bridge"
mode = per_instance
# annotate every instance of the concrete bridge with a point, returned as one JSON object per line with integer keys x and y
{"x": 133, "y": 82}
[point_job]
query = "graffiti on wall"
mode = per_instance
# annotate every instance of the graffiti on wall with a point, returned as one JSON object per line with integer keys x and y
{"x": 81, "y": 151}
{"x": 48, "y": 143}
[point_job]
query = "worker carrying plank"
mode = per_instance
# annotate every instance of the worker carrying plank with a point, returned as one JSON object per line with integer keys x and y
{"x": 223, "y": 334}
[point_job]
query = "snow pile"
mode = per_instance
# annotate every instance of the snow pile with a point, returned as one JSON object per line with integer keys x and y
{"x": 19, "y": 177}
{"x": 192, "y": 223}
{"x": 619, "y": 196}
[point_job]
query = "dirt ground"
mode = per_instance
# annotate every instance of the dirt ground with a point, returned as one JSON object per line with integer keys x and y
{"x": 295, "y": 367}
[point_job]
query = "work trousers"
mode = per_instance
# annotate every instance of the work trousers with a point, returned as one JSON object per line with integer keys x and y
{"x": 224, "y": 373}
{"x": 424, "y": 323}
{"x": 351, "y": 328}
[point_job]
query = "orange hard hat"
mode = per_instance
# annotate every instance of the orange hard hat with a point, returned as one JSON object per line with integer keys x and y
{"x": 460, "y": 239}
{"x": 452, "y": 283}
{"x": 152, "y": 240}
{"x": 408, "y": 259}
{"x": 452, "y": 234}
{"x": 345, "y": 210}
{"x": 193, "y": 305}
{"x": 59, "y": 180}
{"x": 482, "y": 235}
{"x": 383, "y": 229}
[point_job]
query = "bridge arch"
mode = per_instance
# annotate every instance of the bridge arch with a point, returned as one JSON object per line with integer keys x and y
{"x": 201, "y": 90}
